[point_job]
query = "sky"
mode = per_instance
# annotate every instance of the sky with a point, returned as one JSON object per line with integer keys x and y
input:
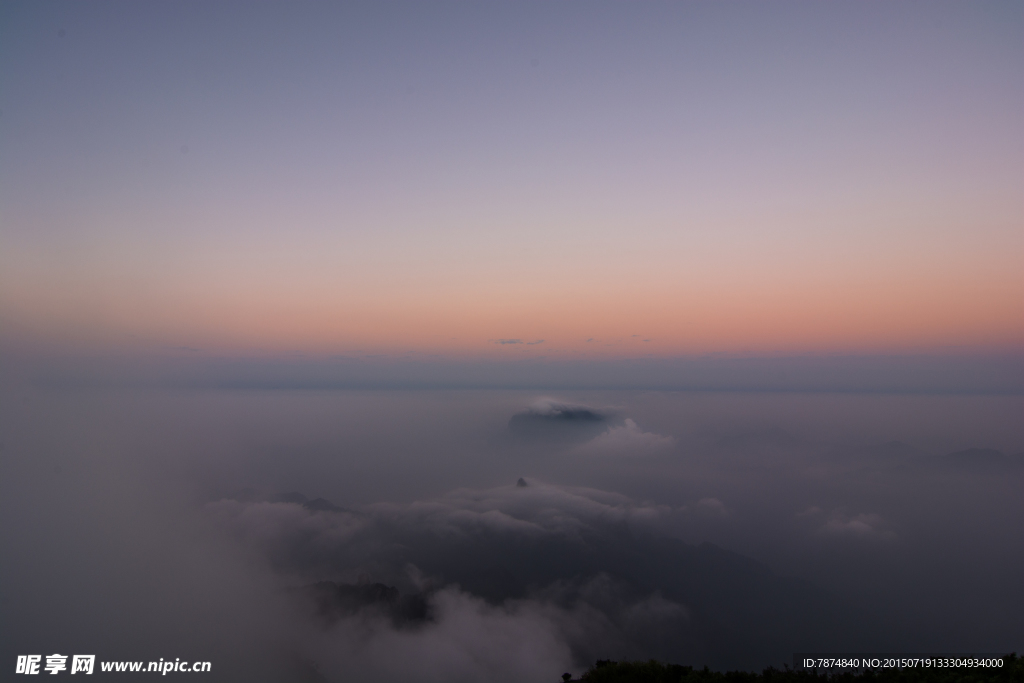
{"x": 511, "y": 181}
{"x": 439, "y": 342}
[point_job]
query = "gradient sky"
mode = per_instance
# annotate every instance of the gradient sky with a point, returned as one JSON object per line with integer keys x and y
{"x": 601, "y": 179}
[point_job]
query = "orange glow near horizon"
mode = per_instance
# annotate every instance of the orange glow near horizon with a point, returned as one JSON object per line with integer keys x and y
{"x": 661, "y": 315}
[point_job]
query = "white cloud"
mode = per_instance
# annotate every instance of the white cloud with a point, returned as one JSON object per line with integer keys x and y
{"x": 628, "y": 439}
{"x": 270, "y": 523}
{"x": 468, "y": 640}
{"x": 465, "y": 638}
{"x": 537, "y": 509}
{"x": 711, "y": 507}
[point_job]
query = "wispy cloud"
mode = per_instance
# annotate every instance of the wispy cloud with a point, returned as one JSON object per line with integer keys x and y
{"x": 628, "y": 439}
{"x": 518, "y": 341}
{"x": 863, "y": 525}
